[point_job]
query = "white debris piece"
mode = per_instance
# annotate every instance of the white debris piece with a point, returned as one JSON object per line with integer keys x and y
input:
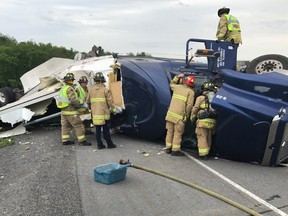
{"x": 16, "y": 116}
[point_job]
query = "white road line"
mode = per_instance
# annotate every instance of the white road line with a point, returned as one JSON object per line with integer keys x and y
{"x": 258, "y": 199}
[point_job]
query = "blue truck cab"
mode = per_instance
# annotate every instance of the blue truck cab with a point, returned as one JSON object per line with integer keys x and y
{"x": 252, "y": 108}
{"x": 252, "y": 118}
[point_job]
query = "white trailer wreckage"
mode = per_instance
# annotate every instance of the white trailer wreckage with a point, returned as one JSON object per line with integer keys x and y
{"x": 42, "y": 84}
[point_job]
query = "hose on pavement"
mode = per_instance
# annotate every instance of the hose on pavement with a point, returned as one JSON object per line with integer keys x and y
{"x": 211, "y": 193}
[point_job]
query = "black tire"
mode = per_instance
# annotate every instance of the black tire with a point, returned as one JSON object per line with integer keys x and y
{"x": 6, "y": 96}
{"x": 267, "y": 63}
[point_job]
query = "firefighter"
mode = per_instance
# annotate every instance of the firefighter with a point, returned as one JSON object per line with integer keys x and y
{"x": 179, "y": 110}
{"x": 100, "y": 101}
{"x": 206, "y": 119}
{"x": 68, "y": 103}
{"x": 228, "y": 27}
{"x": 82, "y": 92}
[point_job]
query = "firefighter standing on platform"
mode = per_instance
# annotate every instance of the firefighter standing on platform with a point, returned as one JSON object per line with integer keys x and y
{"x": 82, "y": 92}
{"x": 68, "y": 103}
{"x": 206, "y": 119}
{"x": 228, "y": 27}
{"x": 100, "y": 101}
{"x": 179, "y": 110}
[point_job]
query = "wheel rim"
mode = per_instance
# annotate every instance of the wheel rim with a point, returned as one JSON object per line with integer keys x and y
{"x": 268, "y": 65}
{"x": 2, "y": 98}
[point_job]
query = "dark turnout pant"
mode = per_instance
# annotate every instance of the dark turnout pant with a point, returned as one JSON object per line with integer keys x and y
{"x": 106, "y": 134}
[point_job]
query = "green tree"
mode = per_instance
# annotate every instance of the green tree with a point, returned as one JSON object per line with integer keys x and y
{"x": 18, "y": 58}
{"x": 143, "y": 54}
{"x": 6, "y": 40}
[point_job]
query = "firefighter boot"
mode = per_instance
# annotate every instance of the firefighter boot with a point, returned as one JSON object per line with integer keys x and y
{"x": 101, "y": 146}
{"x": 168, "y": 150}
{"x": 205, "y": 157}
{"x": 177, "y": 153}
{"x": 68, "y": 142}
{"x": 85, "y": 143}
{"x": 111, "y": 146}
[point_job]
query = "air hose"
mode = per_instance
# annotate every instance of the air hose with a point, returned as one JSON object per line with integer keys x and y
{"x": 211, "y": 193}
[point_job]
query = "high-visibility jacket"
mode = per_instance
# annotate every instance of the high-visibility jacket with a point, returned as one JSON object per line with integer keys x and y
{"x": 68, "y": 100}
{"x": 181, "y": 102}
{"x": 232, "y": 23}
{"x": 229, "y": 28}
{"x": 82, "y": 94}
{"x": 100, "y": 100}
{"x": 62, "y": 99}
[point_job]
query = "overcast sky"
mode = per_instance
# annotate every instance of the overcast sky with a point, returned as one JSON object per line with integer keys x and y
{"x": 158, "y": 27}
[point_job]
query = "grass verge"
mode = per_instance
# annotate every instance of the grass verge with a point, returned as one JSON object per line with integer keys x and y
{"x": 6, "y": 142}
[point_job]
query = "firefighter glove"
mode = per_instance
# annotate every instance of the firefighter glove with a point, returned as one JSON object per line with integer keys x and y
{"x": 85, "y": 105}
{"x": 114, "y": 110}
{"x": 175, "y": 79}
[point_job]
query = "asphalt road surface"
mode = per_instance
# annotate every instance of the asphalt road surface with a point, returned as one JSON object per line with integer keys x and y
{"x": 40, "y": 176}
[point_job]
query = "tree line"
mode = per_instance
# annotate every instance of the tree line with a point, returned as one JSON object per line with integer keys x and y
{"x": 16, "y": 58}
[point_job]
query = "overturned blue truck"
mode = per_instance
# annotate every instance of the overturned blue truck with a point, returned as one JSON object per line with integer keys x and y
{"x": 252, "y": 104}
{"x": 252, "y": 108}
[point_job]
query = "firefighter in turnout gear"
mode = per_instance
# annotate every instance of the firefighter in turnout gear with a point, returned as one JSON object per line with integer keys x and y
{"x": 228, "y": 27}
{"x": 178, "y": 112}
{"x": 100, "y": 101}
{"x": 206, "y": 119}
{"x": 82, "y": 92}
{"x": 68, "y": 102}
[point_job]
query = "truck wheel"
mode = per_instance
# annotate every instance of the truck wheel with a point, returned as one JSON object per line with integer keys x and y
{"x": 267, "y": 63}
{"x": 6, "y": 96}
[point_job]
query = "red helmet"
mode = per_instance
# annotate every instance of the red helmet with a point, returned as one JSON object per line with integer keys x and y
{"x": 190, "y": 80}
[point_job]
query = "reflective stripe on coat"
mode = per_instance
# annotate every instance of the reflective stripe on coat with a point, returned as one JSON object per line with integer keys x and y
{"x": 101, "y": 103}
{"x": 181, "y": 102}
